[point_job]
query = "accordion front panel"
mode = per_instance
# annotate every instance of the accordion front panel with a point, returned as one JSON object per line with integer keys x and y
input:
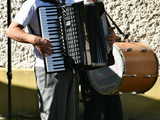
{"x": 51, "y": 29}
{"x": 74, "y": 32}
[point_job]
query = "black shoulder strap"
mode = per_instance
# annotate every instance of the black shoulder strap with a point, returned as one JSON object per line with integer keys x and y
{"x": 119, "y": 30}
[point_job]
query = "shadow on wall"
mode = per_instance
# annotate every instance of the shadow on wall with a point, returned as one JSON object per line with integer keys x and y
{"x": 24, "y": 100}
{"x": 24, "y": 92}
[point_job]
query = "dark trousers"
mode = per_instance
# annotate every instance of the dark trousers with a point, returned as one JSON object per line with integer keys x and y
{"x": 97, "y": 106}
{"x": 103, "y": 107}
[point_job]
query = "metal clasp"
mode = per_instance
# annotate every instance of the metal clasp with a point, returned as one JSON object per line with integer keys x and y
{"x": 129, "y": 75}
{"x": 150, "y": 76}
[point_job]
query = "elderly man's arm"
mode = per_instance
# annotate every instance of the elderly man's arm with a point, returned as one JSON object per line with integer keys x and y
{"x": 16, "y": 31}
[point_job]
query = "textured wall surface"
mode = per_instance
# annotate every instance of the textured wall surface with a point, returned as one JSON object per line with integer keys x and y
{"x": 139, "y": 17}
{"x": 22, "y": 54}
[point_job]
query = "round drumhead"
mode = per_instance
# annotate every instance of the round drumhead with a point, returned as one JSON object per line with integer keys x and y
{"x": 118, "y": 66}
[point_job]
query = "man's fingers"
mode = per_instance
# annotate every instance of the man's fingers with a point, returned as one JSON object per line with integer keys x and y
{"x": 45, "y": 50}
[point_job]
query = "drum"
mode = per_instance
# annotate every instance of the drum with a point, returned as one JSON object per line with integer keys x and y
{"x": 136, "y": 65}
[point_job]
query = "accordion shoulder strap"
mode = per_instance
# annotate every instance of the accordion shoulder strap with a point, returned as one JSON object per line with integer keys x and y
{"x": 119, "y": 30}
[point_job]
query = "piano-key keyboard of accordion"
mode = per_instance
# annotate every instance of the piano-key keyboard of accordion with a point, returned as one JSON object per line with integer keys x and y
{"x": 51, "y": 30}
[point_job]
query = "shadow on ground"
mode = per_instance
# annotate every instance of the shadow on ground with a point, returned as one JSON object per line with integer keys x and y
{"x": 139, "y": 107}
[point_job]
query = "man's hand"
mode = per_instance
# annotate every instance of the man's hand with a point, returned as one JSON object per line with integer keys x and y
{"x": 43, "y": 45}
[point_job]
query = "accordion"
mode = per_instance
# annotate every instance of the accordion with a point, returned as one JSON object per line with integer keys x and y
{"x": 76, "y": 31}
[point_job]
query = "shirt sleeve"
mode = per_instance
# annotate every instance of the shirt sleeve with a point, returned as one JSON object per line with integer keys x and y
{"x": 25, "y": 14}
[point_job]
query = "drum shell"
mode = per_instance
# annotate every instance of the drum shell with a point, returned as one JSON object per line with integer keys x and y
{"x": 140, "y": 67}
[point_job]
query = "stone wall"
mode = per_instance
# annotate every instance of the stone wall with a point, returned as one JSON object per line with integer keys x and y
{"x": 139, "y": 17}
{"x": 22, "y": 54}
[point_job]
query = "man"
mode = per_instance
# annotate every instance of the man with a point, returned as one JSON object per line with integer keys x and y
{"x": 57, "y": 98}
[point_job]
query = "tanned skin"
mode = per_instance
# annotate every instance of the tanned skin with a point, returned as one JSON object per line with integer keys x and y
{"x": 16, "y": 31}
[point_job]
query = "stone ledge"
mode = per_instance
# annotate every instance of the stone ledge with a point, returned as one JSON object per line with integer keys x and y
{"x": 20, "y": 77}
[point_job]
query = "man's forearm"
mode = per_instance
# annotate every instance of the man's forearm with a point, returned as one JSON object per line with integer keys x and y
{"x": 16, "y": 32}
